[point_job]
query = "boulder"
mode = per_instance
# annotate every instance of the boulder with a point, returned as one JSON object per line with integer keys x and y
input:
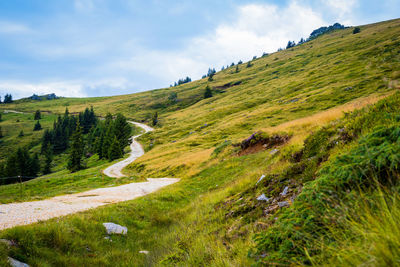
{"x": 283, "y": 204}
{"x": 16, "y": 263}
{"x": 261, "y": 178}
{"x": 285, "y": 191}
{"x": 263, "y": 197}
{"x": 273, "y": 151}
{"x": 113, "y": 228}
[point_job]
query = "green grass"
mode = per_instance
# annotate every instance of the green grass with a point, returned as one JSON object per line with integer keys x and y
{"x": 211, "y": 216}
{"x": 62, "y": 181}
{"x": 12, "y": 124}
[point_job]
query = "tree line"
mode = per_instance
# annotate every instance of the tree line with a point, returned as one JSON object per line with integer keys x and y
{"x": 81, "y": 136}
{"x": 7, "y": 99}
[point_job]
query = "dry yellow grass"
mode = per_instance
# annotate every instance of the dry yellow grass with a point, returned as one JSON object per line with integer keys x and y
{"x": 301, "y": 127}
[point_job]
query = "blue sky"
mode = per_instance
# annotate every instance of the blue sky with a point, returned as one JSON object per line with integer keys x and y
{"x": 107, "y": 47}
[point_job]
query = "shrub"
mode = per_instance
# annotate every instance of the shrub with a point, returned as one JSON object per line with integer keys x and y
{"x": 356, "y": 30}
{"x": 207, "y": 92}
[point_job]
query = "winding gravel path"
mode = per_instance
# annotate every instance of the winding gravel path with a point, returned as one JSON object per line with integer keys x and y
{"x": 136, "y": 151}
{"x": 30, "y": 212}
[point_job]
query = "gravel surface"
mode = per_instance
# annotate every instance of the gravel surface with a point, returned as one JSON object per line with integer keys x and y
{"x": 115, "y": 170}
{"x": 29, "y": 212}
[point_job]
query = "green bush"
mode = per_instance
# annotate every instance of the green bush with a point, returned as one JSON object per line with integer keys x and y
{"x": 376, "y": 158}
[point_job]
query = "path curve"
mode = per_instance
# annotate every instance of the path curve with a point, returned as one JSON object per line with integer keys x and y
{"x": 14, "y": 214}
{"x": 115, "y": 170}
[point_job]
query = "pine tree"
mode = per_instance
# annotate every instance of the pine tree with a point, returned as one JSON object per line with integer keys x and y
{"x": 48, "y": 155}
{"x": 154, "y": 119}
{"x": 207, "y": 92}
{"x": 115, "y": 150}
{"x": 47, "y": 139}
{"x": 1, "y": 133}
{"x": 37, "y": 126}
{"x": 22, "y": 162}
{"x": 33, "y": 166}
{"x": 237, "y": 69}
{"x": 11, "y": 166}
{"x": 37, "y": 115}
{"x": 77, "y": 148}
{"x": 7, "y": 99}
{"x": 122, "y": 131}
{"x": 21, "y": 133}
{"x": 107, "y": 140}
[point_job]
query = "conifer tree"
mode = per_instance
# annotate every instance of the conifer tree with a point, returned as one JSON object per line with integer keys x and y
{"x": 154, "y": 119}
{"x": 33, "y": 166}
{"x": 77, "y": 148}
{"x": 22, "y": 162}
{"x": 108, "y": 139}
{"x": 207, "y": 92}
{"x": 1, "y": 133}
{"x": 115, "y": 150}
{"x": 37, "y": 126}
{"x": 122, "y": 131}
{"x": 47, "y": 139}
{"x": 48, "y": 159}
{"x": 37, "y": 115}
{"x": 21, "y": 133}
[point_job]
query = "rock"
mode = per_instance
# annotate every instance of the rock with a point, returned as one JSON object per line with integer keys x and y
{"x": 284, "y": 192}
{"x": 263, "y": 197}
{"x": 113, "y": 228}
{"x": 7, "y": 242}
{"x": 144, "y": 252}
{"x": 261, "y": 178}
{"x": 108, "y": 238}
{"x": 283, "y": 204}
{"x": 273, "y": 151}
{"x": 16, "y": 263}
{"x": 348, "y": 88}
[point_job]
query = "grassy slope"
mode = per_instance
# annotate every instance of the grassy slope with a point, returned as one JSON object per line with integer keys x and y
{"x": 11, "y": 125}
{"x": 317, "y": 73}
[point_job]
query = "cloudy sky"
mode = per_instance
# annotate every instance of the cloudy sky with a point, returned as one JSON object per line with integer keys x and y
{"x": 109, "y": 47}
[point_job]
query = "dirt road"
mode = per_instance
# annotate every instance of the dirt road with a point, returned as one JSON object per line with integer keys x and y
{"x": 29, "y": 212}
{"x": 115, "y": 170}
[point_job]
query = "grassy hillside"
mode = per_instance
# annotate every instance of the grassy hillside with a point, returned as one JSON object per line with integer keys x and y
{"x": 329, "y": 71}
{"x": 13, "y": 123}
{"x": 296, "y": 97}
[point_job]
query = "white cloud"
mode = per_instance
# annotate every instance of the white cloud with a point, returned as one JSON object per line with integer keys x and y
{"x": 84, "y": 5}
{"x": 257, "y": 28}
{"x": 7, "y": 27}
{"x": 22, "y": 89}
{"x": 343, "y": 10}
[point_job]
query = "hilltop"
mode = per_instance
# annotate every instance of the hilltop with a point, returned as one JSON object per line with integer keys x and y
{"x": 300, "y": 118}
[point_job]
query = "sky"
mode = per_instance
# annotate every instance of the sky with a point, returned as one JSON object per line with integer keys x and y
{"x": 79, "y": 48}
